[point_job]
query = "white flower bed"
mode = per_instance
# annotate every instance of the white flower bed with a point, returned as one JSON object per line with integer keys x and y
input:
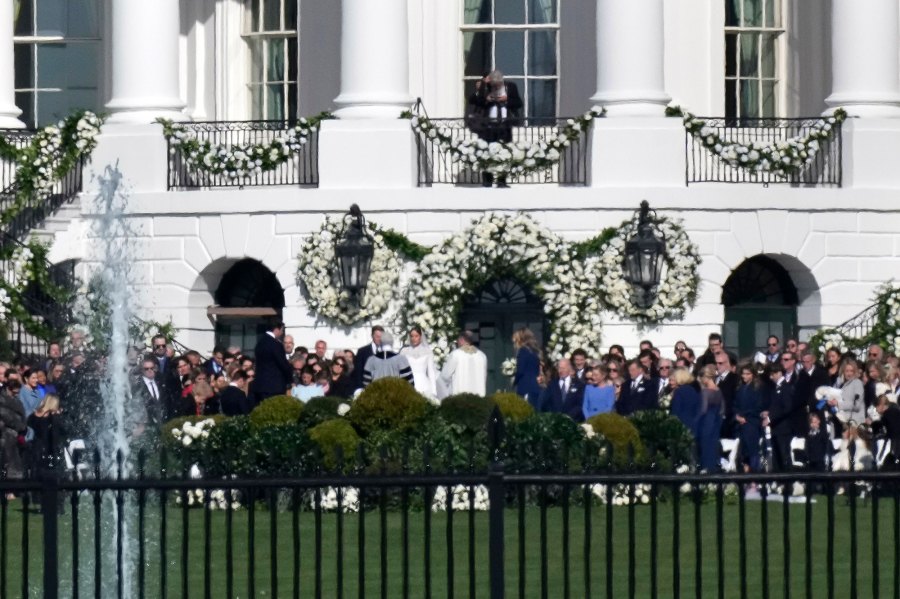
{"x": 505, "y": 158}
{"x": 783, "y": 157}
{"x": 507, "y": 246}
{"x": 318, "y": 277}
{"x": 189, "y": 432}
{"x": 679, "y": 283}
{"x": 328, "y": 500}
{"x": 459, "y": 496}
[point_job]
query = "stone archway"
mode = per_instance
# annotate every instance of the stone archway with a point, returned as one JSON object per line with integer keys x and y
{"x": 251, "y": 287}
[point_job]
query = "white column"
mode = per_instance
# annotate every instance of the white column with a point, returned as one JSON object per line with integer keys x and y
{"x": 145, "y": 65}
{"x": 630, "y": 47}
{"x": 374, "y": 59}
{"x": 9, "y": 113}
{"x": 865, "y": 69}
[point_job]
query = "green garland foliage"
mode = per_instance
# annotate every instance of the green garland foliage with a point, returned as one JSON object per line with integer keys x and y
{"x": 594, "y": 245}
{"x": 403, "y": 245}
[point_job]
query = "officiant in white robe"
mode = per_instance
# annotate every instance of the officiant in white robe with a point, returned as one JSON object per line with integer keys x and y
{"x": 465, "y": 370}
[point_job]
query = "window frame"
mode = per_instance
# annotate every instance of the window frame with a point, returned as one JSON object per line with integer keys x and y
{"x": 250, "y": 38}
{"x": 778, "y": 31}
{"x": 525, "y": 27}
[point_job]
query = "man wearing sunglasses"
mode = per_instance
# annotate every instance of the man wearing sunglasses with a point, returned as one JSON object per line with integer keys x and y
{"x": 773, "y": 350}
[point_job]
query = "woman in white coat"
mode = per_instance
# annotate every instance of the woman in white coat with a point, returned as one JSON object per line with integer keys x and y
{"x": 851, "y": 406}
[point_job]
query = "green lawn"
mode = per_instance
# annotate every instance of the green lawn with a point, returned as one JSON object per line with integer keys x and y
{"x": 243, "y": 570}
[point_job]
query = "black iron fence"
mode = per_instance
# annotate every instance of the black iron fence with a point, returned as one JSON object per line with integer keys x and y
{"x": 705, "y": 167}
{"x": 35, "y": 209}
{"x": 436, "y": 165}
{"x": 302, "y": 170}
{"x": 485, "y": 534}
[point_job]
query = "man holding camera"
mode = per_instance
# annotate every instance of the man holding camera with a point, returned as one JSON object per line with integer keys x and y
{"x": 497, "y": 105}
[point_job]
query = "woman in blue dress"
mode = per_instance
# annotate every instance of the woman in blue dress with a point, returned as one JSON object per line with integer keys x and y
{"x": 748, "y": 401}
{"x": 528, "y": 366}
{"x": 599, "y": 392}
{"x": 711, "y": 409}
{"x": 686, "y": 400}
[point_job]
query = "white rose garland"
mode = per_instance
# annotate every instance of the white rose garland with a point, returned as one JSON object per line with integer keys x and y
{"x": 782, "y": 157}
{"x": 504, "y": 158}
{"x": 680, "y": 281}
{"x": 317, "y": 276}
{"x": 500, "y": 246}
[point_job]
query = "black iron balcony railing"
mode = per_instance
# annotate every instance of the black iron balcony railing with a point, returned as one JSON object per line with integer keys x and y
{"x": 36, "y": 209}
{"x": 301, "y": 170}
{"x": 705, "y": 167}
{"x": 437, "y": 166}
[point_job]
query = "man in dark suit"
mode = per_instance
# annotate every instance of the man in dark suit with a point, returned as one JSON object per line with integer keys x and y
{"x": 498, "y": 105}
{"x": 363, "y": 354}
{"x": 778, "y": 415}
{"x": 818, "y": 377}
{"x": 726, "y": 380}
{"x": 152, "y": 394}
{"x": 639, "y": 391}
{"x": 233, "y": 399}
{"x": 273, "y": 371}
{"x": 564, "y": 393}
{"x": 216, "y": 364}
{"x": 795, "y": 376}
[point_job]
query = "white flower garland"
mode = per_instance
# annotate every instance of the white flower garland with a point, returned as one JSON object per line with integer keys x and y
{"x": 503, "y": 158}
{"x": 784, "y": 157}
{"x": 238, "y": 161}
{"x": 678, "y": 287}
{"x": 503, "y": 245}
{"x": 318, "y": 277}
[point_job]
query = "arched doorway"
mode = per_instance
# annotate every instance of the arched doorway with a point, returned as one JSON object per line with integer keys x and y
{"x": 501, "y": 307}
{"x": 250, "y": 285}
{"x": 760, "y": 300}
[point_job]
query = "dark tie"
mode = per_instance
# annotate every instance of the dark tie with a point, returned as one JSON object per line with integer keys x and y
{"x": 153, "y": 393}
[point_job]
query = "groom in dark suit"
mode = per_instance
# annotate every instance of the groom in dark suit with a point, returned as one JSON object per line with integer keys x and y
{"x": 273, "y": 371}
{"x": 363, "y": 354}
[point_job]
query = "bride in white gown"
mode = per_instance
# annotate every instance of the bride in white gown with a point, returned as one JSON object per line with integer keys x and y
{"x": 421, "y": 360}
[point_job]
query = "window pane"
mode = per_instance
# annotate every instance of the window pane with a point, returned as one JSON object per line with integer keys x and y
{"x": 469, "y": 89}
{"x": 292, "y": 58}
{"x": 477, "y": 12}
{"x": 731, "y": 110}
{"x": 477, "y": 48}
{"x": 767, "y": 50}
{"x": 749, "y": 98}
{"x": 51, "y": 17}
{"x": 773, "y": 13}
{"x": 541, "y": 98}
{"x": 290, "y": 15}
{"x": 732, "y": 13}
{"x": 51, "y": 107}
{"x": 24, "y": 16}
{"x": 79, "y": 99}
{"x": 83, "y": 19}
{"x": 275, "y": 101}
{"x": 256, "y": 102}
{"x": 768, "y": 98}
{"x": 271, "y": 15}
{"x": 24, "y": 65}
{"x": 509, "y": 12}
{"x": 753, "y": 10}
{"x": 254, "y": 15}
{"x": 730, "y": 55}
{"x": 542, "y": 11}
{"x": 257, "y": 60}
{"x": 511, "y": 52}
{"x": 275, "y": 54}
{"x": 749, "y": 55}
{"x": 25, "y": 101}
{"x": 542, "y": 53}
{"x": 292, "y": 101}
{"x": 52, "y": 68}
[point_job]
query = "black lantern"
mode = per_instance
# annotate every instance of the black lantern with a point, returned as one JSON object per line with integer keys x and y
{"x": 354, "y": 250}
{"x": 645, "y": 255}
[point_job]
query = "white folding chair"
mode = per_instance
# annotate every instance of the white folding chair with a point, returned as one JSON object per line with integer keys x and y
{"x": 798, "y": 446}
{"x": 730, "y": 449}
{"x": 79, "y": 467}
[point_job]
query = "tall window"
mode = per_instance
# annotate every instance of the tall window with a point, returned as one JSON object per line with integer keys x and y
{"x": 271, "y": 32}
{"x": 520, "y": 38}
{"x": 57, "y": 58}
{"x": 753, "y": 30}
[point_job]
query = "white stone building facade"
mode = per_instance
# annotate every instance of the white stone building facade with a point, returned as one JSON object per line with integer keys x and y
{"x": 211, "y": 60}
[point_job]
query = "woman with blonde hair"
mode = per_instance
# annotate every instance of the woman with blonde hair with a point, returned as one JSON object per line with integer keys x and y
{"x": 851, "y": 407}
{"x": 528, "y": 366}
{"x": 685, "y": 400}
{"x": 710, "y": 427}
{"x": 48, "y": 439}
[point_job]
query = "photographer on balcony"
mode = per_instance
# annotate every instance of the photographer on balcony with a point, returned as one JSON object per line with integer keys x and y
{"x": 494, "y": 109}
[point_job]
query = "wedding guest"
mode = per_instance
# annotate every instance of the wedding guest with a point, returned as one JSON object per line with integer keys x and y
{"x": 686, "y": 400}
{"x": 748, "y": 403}
{"x": 307, "y": 388}
{"x": 712, "y": 410}
{"x": 49, "y": 437}
{"x": 340, "y": 384}
{"x": 465, "y": 370}
{"x": 599, "y": 392}
{"x": 528, "y": 366}
{"x": 29, "y": 395}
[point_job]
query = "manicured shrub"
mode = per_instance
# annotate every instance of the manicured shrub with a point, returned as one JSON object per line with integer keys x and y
{"x": 469, "y": 411}
{"x": 622, "y": 435}
{"x": 544, "y": 442}
{"x": 275, "y": 411}
{"x": 319, "y": 409}
{"x": 280, "y": 450}
{"x": 668, "y": 443}
{"x": 330, "y": 435}
{"x": 389, "y": 404}
{"x": 224, "y": 451}
{"x": 514, "y": 407}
